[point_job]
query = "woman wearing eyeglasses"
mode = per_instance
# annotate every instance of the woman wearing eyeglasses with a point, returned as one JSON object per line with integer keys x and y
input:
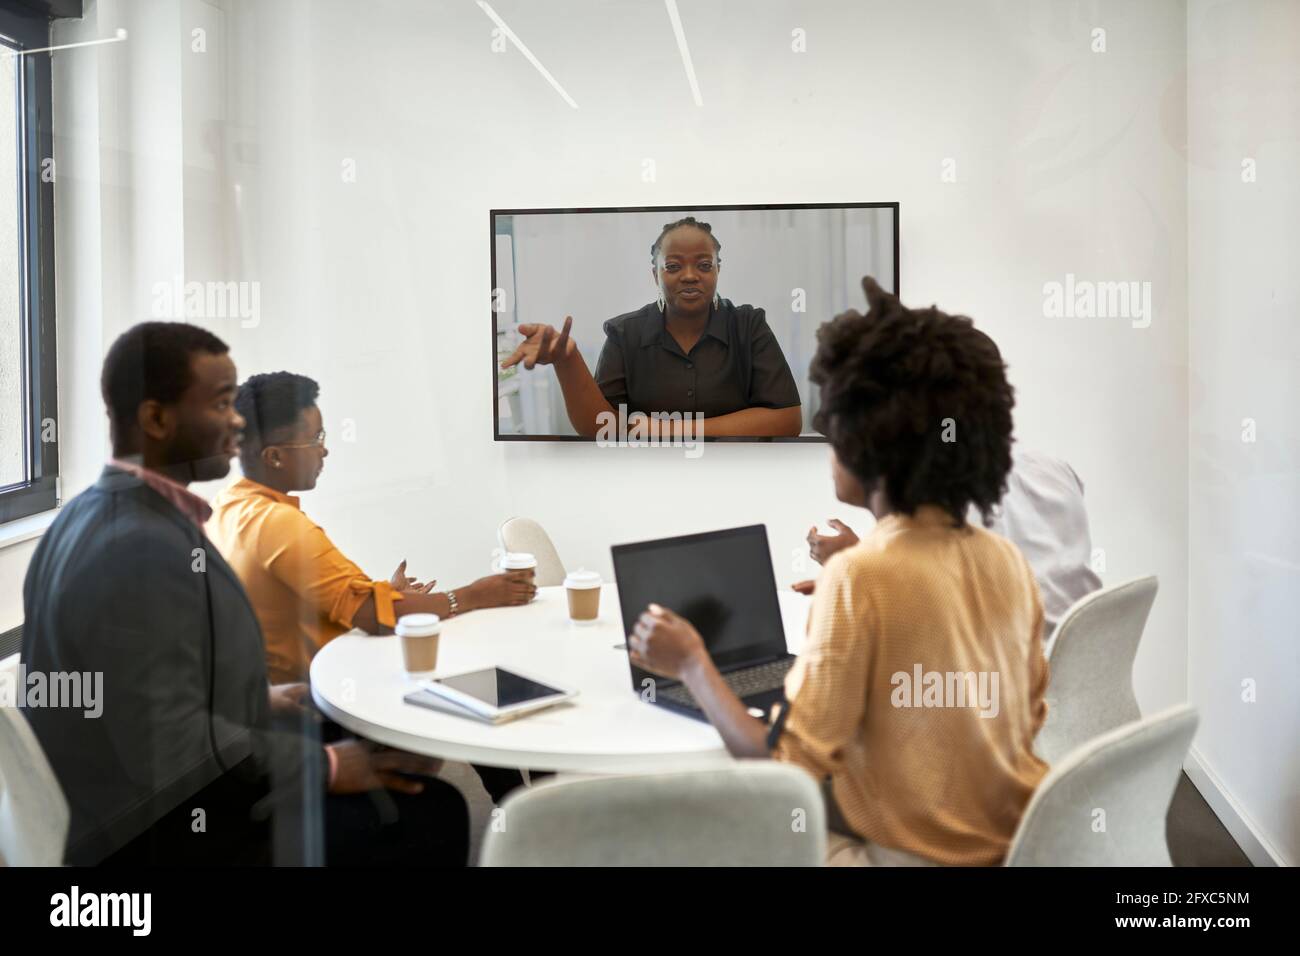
{"x": 305, "y": 591}
{"x": 691, "y": 353}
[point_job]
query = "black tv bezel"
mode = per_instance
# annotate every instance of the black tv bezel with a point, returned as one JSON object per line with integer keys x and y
{"x": 757, "y": 439}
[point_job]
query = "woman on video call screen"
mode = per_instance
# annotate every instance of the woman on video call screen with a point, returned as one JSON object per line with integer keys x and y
{"x": 690, "y": 352}
{"x": 712, "y": 354}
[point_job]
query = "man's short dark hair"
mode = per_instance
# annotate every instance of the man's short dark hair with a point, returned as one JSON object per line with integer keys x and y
{"x": 272, "y": 401}
{"x": 918, "y": 398}
{"x": 151, "y": 362}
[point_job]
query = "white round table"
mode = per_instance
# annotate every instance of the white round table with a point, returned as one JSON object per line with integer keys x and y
{"x": 359, "y": 682}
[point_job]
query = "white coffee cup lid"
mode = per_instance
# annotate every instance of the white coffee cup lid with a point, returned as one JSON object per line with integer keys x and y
{"x": 582, "y": 579}
{"x": 418, "y": 625}
{"x": 516, "y": 560}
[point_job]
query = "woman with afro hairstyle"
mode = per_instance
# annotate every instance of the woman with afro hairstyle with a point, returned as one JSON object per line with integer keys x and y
{"x": 919, "y": 689}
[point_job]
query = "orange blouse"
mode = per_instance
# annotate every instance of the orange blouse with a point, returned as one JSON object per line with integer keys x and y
{"x": 920, "y": 688}
{"x": 302, "y": 588}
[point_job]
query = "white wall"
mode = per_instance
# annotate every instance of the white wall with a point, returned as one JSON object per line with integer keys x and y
{"x": 1244, "y": 243}
{"x": 1067, "y": 161}
{"x": 13, "y": 568}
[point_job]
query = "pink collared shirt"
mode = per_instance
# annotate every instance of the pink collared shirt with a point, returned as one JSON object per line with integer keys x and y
{"x": 186, "y": 502}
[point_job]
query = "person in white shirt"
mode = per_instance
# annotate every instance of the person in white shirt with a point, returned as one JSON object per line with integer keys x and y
{"x": 1042, "y": 513}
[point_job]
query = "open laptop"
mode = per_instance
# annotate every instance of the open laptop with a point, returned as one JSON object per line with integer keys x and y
{"x": 722, "y": 582}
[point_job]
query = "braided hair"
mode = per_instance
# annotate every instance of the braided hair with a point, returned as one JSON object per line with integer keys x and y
{"x": 688, "y": 221}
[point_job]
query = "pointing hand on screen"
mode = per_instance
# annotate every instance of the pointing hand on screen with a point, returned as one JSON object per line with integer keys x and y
{"x": 542, "y": 345}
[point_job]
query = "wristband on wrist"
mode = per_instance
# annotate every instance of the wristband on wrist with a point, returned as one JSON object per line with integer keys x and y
{"x": 453, "y": 605}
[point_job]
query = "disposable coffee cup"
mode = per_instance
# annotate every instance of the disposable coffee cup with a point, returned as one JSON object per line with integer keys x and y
{"x": 419, "y": 634}
{"x": 583, "y": 589}
{"x": 519, "y": 561}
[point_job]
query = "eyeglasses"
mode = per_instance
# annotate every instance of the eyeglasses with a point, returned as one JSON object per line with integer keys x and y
{"x": 316, "y": 442}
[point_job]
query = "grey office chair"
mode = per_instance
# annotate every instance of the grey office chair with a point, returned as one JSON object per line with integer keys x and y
{"x": 754, "y": 813}
{"x": 1105, "y": 804}
{"x": 1091, "y": 686}
{"x": 33, "y": 811}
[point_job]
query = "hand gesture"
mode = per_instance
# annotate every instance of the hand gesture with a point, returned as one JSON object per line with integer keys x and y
{"x": 822, "y": 546}
{"x": 401, "y": 582}
{"x": 542, "y": 345}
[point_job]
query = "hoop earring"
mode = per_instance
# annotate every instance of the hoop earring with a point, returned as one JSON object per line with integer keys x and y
{"x": 661, "y": 300}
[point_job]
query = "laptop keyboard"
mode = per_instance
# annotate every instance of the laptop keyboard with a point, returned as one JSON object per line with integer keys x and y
{"x": 744, "y": 682}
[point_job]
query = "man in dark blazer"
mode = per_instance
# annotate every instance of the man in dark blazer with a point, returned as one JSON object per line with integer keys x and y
{"x": 184, "y": 765}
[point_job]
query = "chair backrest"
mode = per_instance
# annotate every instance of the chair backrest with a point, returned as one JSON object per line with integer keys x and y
{"x": 754, "y": 813}
{"x": 1105, "y": 804}
{"x": 1091, "y": 687}
{"x": 33, "y": 811}
{"x": 525, "y": 534}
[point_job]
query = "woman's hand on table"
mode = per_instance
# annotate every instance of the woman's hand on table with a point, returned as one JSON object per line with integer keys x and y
{"x": 665, "y": 643}
{"x": 508, "y": 589}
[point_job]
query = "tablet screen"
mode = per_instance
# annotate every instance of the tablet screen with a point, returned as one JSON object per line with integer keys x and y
{"x": 498, "y": 687}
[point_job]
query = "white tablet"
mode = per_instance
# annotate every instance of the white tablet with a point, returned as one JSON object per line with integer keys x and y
{"x": 494, "y": 694}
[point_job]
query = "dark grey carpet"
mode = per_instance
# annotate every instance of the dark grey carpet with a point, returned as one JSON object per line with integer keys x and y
{"x": 1195, "y": 835}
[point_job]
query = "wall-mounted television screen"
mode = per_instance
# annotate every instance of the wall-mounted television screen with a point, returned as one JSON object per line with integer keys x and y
{"x": 664, "y": 320}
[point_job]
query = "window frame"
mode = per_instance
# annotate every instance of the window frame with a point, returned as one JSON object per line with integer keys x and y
{"x": 40, "y": 490}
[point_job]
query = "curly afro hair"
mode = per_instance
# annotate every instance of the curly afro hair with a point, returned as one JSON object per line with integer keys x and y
{"x": 918, "y": 398}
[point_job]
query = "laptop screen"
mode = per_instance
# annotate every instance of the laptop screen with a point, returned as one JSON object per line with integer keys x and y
{"x": 722, "y": 582}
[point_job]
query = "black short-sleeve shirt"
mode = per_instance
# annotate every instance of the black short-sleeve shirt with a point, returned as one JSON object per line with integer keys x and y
{"x": 736, "y": 364}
